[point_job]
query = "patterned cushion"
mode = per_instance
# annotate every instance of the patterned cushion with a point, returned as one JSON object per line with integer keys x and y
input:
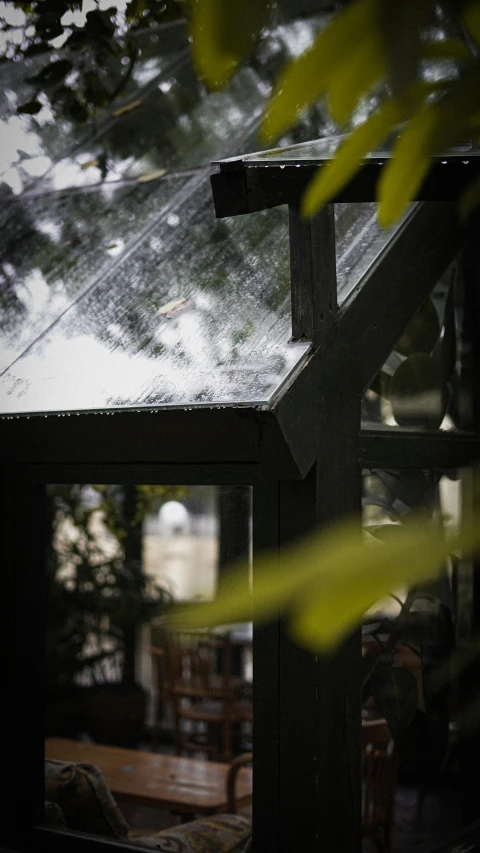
{"x": 78, "y": 795}
{"x": 225, "y": 833}
{"x": 84, "y": 798}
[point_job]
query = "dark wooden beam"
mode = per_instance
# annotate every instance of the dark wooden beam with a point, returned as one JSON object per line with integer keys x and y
{"x": 397, "y": 448}
{"x": 230, "y": 436}
{"x": 240, "y": 473}
{"x": 249, "y": 188}
{"x": 312, "y": 274}
{"x": 306, "y": 707}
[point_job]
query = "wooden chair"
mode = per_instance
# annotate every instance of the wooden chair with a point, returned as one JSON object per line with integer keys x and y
{"x": 205, "y": 699}
{"x": 378, "y": 784}
{"x": 233, "y": 771}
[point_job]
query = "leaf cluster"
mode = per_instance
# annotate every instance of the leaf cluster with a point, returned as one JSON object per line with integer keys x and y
{"x": 95, "y": 60}
{"x": 411, "y": 68}
{"x": 94, "y": 594}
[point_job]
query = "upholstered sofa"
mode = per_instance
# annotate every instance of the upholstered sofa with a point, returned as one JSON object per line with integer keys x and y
{"x": 77, "y": 797}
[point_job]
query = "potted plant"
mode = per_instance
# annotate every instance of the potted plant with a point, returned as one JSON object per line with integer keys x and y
{"x": 98, "y": 598}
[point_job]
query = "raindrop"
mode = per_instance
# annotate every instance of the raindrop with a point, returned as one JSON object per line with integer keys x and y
{"x": 125, "y": 60}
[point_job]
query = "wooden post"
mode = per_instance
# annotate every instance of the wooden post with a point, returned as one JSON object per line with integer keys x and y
{"x": 312, "y": 273}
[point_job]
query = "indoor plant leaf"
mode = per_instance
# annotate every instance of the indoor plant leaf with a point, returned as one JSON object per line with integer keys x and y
{"x": 395, "y": 691}
{"x": 417, "y": 392}
{"x": 422, "y": 332}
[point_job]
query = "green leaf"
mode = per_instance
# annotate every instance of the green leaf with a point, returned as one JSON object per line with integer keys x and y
{"x": 335, "y": 603}
{"x": 430, "y": 131}
{"x": 417, "y": 392}
{"x": 400, "y": 27}
{"x": 307, "y": 78}
{"x": 223, "y": 39}
{"x": 396, "y": 694}
{"x": 471, "y": 19}
{"x": 332, "y": 177}
{"x": 446, "y": 49}
{"x": 422, "y": 332}
{"x": 366, "y": 67}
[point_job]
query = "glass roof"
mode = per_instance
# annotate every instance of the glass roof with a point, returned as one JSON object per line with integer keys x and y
{"x": 319, "y": 150}
{"x": 119, "y": 289}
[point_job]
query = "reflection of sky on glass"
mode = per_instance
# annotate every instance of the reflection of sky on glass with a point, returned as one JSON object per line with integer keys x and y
{"x": 88, "y": 265}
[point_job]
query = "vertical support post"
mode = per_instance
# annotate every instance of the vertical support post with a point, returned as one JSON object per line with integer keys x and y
{"x": 307, "y": 711}
{"x": 312, "y": 273}
{"x": 22, "y": 719}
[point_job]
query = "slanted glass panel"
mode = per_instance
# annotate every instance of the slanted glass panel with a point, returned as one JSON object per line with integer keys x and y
{"x": 319, "y": 150}
{"x": 33, "y": 143}
{"x": 105, "y": 218}
{"x": 359, "y": 242}
{"x": 198, "y": 314}
{"x": 141, "y": 721}
{"x": 56, "y": 246}
{"x": 425, "y": 382}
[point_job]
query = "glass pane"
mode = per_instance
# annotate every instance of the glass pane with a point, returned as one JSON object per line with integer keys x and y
{"x": 32, "y": 143}
{"x": 426, "y": 381}
{"x": 420, "y": 727}
{"x": 198, "y": 314}
{"x": 142, "y": 721}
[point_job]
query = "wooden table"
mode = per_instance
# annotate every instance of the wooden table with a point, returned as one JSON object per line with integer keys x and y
{"x": 183, "y": 785}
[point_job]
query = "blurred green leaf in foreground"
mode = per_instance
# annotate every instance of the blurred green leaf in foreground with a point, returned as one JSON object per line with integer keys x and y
{"x": 414, "y": 64}
{"x": 410, "y": 71}
{"x": 326, "y": 582}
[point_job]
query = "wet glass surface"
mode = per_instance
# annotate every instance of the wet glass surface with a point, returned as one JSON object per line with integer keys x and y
{"x": 123, "y": 344}
{"x": 32, "y": 143}
{"x": 90, "y": 231}
{"x": 120, "y": 293}
{"x": 324, "y": 149}
{"x": 55, "y": 246}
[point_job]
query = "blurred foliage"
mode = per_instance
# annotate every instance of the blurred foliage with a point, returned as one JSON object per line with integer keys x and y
{"x": 413, "y": 64}
{"x": 96, "y": 595}
{"x": 87, "y": 59}
{"x": 327, "y": 582}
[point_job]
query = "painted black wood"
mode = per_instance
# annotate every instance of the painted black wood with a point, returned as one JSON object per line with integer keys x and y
{"x": 368, "y": 324}
{"x": 22, "y": 550}
{"x": 398, "y": 284}
{"x": 312, "y": 760}
{"x": 249, "y": 188}
{"x": 240, "y": 473}
{"x": 312, "y": 273}
{"x": 396, "y": 448}
{"x": 196, "y": 437}
{"x": 266, "y": 684}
